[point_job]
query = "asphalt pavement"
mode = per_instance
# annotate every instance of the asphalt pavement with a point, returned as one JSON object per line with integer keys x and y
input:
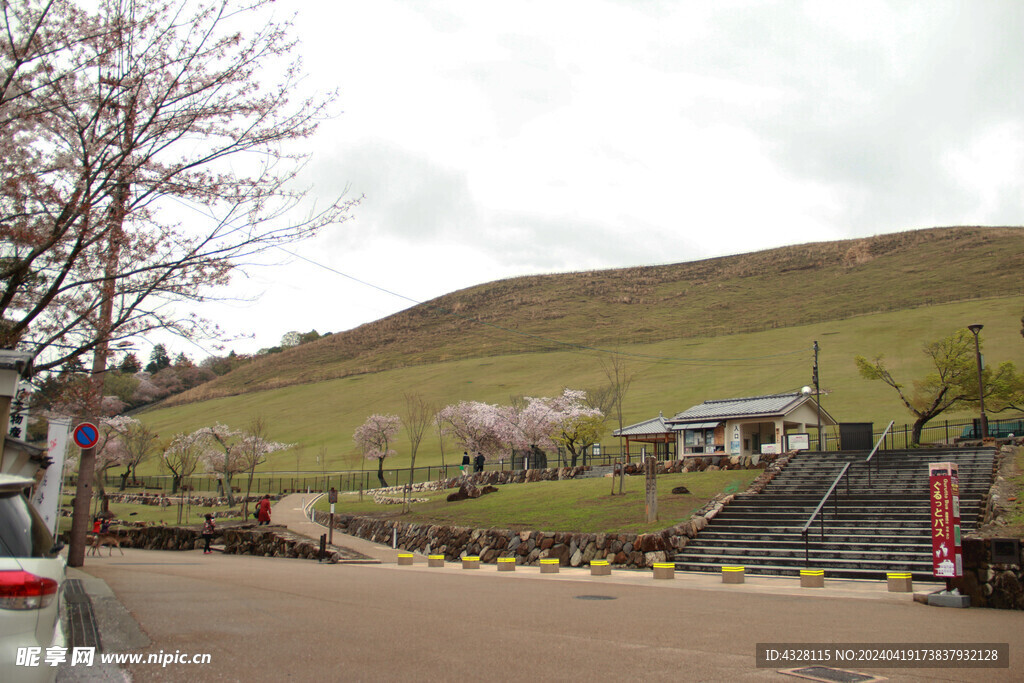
{"x": 271, "y": 618}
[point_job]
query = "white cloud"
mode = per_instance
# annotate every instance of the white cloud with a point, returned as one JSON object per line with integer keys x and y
{"x": 493, "y": 140}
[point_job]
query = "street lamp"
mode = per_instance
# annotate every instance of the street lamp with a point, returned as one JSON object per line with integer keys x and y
{"x": 981, "y": 385}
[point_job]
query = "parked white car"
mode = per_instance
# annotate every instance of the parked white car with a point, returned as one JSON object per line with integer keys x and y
{"x": 31, "y": 583}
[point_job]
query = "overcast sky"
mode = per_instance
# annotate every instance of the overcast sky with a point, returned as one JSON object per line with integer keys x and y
{"x": 499, "y": 139}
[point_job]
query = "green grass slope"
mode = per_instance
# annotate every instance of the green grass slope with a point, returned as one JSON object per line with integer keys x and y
{"x": 669, "y": 376}
{"x": 778, "y": 288}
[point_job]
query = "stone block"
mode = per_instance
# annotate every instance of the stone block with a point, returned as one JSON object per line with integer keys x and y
{"x": 812, "y": 578}
{"x": 664, "y": 570}
{"x": 506, "y": 564}
{"x": 600, "y": 568}
{"x": 471, "y": 562}
{"x": 405, "y": 559}
{"x": 734, "y": 575}
{"x": 900, "y": 582}
{"x": 549, "y": 565}
{"x": 435, "y": 560}
{"x": 944, "y": 599}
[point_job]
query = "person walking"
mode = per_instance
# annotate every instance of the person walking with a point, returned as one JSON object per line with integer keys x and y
{"x": 479, "y": 464}
{"x": 464, "y": 467}
{"x": 263, "y": 510}
{"x": 209, "y": 528}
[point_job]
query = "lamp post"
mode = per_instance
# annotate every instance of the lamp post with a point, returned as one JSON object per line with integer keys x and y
{"x": 981, "y": 385}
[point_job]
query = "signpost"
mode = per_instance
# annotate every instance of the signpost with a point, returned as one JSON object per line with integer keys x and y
{"x": 798, "y": 442}
{"x": 651, "y": 488}
{"x": 332, "y": 498}
{"x": 944, "y": 494}
{"x": 85, "y": 436}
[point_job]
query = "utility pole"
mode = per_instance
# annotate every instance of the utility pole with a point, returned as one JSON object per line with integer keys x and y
{"x": 817, "y": 395}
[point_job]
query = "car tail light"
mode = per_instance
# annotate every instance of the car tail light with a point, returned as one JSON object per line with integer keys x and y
{"x": 22, "y": 590}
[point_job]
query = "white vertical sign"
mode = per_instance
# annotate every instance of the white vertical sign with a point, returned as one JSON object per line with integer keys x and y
{"x": 46, "y": 498}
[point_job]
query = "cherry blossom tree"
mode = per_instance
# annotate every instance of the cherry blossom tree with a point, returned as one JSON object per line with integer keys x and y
{"x": 575, "y": 424}
{"x": 229, "y": 452}
{"x": 255, "y": 446}
{"x": 182, "y": 456}
{"x": 144, "y": 148}
{"x": 221, "y": 457}
{"x": 374, "y": 438}
{"x": 478, "y": 427}
{"x": 138, "y": 443}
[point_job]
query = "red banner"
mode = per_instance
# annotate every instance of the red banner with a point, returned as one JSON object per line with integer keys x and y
{"x": 943, "y": 490}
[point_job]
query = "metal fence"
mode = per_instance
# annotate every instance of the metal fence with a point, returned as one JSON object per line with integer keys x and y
{"x": 899, "y": 437}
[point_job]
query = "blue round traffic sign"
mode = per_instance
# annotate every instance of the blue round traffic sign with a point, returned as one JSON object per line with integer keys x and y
{"x": 86, "y": 435}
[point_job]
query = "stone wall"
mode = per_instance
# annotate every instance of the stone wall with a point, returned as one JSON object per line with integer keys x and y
{"x": 990, "y": 584}
{"x": 248, "y": 539}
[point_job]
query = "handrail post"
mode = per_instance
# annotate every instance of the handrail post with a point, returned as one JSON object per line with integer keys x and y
{"x": 807, "y": 551}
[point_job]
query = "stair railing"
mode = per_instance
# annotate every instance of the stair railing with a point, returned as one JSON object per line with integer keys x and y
{"x": 867, "y": 461}
{"x": 821, "y": 504}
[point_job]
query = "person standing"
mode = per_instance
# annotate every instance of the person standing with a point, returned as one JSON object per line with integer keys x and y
{"x": 209, "y": 528}
{"x": 263, "y": 510}
{"x": 464, "y": 467}
{"x": 479, "y": 464}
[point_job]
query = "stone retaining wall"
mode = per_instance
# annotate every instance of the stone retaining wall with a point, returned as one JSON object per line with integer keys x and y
{"x": 267, "y": 541}
{"x": 166, "y": 501}
{"x": 999, "y": 585}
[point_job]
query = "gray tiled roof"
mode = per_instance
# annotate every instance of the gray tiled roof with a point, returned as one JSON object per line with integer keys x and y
{"x": 657, "y": 425}
{"x": 724, "y": 409}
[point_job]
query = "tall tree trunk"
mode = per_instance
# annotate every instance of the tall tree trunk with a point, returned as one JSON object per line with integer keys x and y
{"x": 915, "y": 434}
{"x": 380, "y": 472}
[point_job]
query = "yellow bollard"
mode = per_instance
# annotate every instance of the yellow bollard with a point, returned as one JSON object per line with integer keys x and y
{"x": 812, "y": 578}
{"x": 664, "y": 570}
{"x": 549, "y": 565}
{"x": 900, "y": 582}
{"x": 733, "y": 574}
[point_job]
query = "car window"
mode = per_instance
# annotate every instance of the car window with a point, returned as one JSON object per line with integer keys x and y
{"x": 22, "y": 531}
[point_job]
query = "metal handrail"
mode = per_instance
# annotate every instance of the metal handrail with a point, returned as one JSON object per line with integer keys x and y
{"x": 867, "y": 460}
{"x": 821, "y": 504}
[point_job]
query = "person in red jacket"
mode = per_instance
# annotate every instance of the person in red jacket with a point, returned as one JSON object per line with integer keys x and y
{"x": 263, "y": 510}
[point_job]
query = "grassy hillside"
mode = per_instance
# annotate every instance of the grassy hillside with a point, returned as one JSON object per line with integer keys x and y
{"x": 687, "y": 302}
{"x": 670, "y": 376}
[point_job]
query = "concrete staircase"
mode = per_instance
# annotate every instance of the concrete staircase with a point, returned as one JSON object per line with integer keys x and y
{"x": 597, "y": 471}
{"x": 874, "y": 523}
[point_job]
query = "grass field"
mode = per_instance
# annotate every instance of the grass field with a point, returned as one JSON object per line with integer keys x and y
{"x": 669, "y": 376}
{"x": 581, "y": 505}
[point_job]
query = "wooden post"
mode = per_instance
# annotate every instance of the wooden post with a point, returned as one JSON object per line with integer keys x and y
{"x": 651, "y": 481}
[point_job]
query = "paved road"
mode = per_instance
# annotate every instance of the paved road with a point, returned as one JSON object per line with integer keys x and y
{"x": 267, "y": 619}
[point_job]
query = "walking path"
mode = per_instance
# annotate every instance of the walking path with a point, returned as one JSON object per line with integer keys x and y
{"x": 290, "y": 512}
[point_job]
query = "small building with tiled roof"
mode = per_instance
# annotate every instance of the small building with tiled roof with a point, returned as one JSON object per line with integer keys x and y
{"x": 656, "y": 433}
{"x": 746, "y": 426}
